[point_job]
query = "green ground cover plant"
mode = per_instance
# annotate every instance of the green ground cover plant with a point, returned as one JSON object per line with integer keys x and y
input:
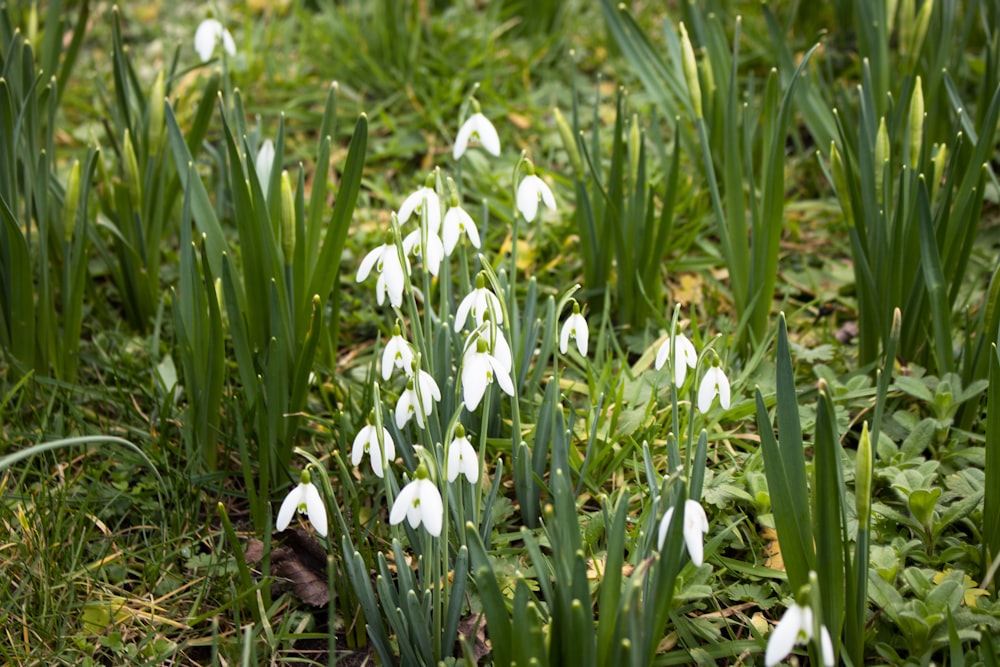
{"x": 505, "y": 333}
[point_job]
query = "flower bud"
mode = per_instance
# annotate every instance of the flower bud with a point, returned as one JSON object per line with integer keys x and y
{"x": 287, "y": 218}
{"x": 690, "y": 66}
{"x": 881, "y": 157}
{"x": 71, "y": 201}
{"x": 916, "y": 122}
{"x": 863, "y": 477}
{"x": 920, "y": 28}
{"x": 131, "y": 166}
{"x": 840, "y": 183}
{"x": 939, "y": 159}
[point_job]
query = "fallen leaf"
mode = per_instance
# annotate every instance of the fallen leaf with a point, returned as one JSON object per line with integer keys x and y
{"x": 300, "y": 563}
{"x": 474, "y": 627}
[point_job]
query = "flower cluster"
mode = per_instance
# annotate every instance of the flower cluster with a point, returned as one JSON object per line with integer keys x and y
{"x": 682, "y": 357}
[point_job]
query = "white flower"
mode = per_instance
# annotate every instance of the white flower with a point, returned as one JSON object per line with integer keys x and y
{"x": 435, "y": 249}
{"x": 306, "y": 499}
{"x": 422, "y": 394}
{"x": 462, "y": 458}
{"x": 457, "y": 221}
{"x": 424, "y": 196}
{"x": 695, "y": 527}
{"x": 479, "y": 369}
{"x": 391, "y": 279}
{"x": 796, "y": 627}
{"x": 263, "y": 164}
{"x": 397, "y": 354}
{"x": 420, "y": 502}
{"x": 366, "y": 442}
{"x": 714, "y": 382}
{"x": 576, "y": 327}
{"x": 529, "y": 191}
{"x": 479, "y": 126}
{"x": 479, "y": 302}
{"x": 684, "y": 357}
{"x": 209, "y": 33}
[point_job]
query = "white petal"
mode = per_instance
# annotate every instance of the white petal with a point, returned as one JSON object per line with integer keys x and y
{"x": 723, "y": 383}
{"x": 662, "y": 354}
{"x": 462, "y": 459}
{"x": 564, "y": 335}
{"x": 429, "y": 390}
{"x": 208, "y": 34}
{"x": 474, "y": 368}
{"x": 527, "y": 198}
{"x": 462, "y": 313}
{"x": 288, "y": 507}
{"x": 784, "y": 635}
{"x": 706, "y": 391}
{"x": 502, "y": 376}
{"x": 826, "y": 646}
{"x": 410, "y": 204}
{"x": 695, "y": 526}
{"x": 434, "y": 255}
{"x": 547, "y": 198}
{"x": 501, "y": 350}
{"x": 402, "y": 503}
{"x": 431, "y": 507}
{"x": 487, "y": 134}
{"x": 390, "y": 445}
{"x": 360, "y": 440}
{"x": 404, "y": 408}
{"x": 580, "y": 331}
{"x": 315, "y": 508}
{"x": 664, "y": 526}
{"x": 263, "y": 164}
{"x": 684, "y": 349}
{"x": 369, "y": 262}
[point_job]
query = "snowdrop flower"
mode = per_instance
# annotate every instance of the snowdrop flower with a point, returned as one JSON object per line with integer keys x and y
{"x": 306, "y": 499}
{"x": 435, "y": 249}
{"x": 456, "y": 222}
{"x": 684, "y": 357}
{"x": 479, "y": 369}
{"x": 419, "y": 394}
{"x": 419, "y": 502}
{"x": 575, "y": 326}
{"x": 367, "y": 442}
{"x": 397, "y": 354}
{"x": 209, "y": 33}
{"x": 796, "y": 627}
{"x": 529, "y": 191}
{"x": 462, "y": 458}
{"x": 263, "y": 164}
{"x": 425, "y": 196}
{"x": 498, "y": 345}
{"x": 713, "y": 383}
{"x": 391, "y": 279}
{"x": 695, "y": 527}
{"x": 479, "y": 302}
{"x": 479, "y": 126}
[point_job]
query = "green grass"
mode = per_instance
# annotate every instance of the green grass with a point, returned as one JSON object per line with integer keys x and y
{"x": 178, "y": 339}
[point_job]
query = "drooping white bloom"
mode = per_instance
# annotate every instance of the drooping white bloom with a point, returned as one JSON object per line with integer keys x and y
{"x": 684, "y": 357}
{"x": 418, "y": 399}
{"x": 456, "y": 222}
{"x": 498, "y": 346}
{"x": 397, "y": 354}
{"x": 424, "y": 196}
{"x": 695, "y": 527}
{"x": 420, "y": 502}
{"x": 435, "y": 250}
{"x": 208, "y": 34}
{"x": 391, "y": 279}
{"x": 479, "y": 126}
{"x": 479, "y": 302}
{"x": 575, "y": 327}
{"x": 713, "y": 383}
{"x": 263, "y": 164}
{"x": 796, "y": 627}
{"x": 366, "y": 442}
{"x": 306, "y": 499}
{"x": 479, "y": 369}
{"x": 462, "y": 458}
{"x": 529, "y": 191}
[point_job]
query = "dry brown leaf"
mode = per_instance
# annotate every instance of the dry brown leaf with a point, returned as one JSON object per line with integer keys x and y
{"x": 300, "y": 563}
{"x": 772, "y": 550}
{"x": 474, "y": 627}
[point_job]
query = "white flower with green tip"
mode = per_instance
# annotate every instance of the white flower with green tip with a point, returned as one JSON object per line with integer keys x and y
{"x": 713, "y": 383}
{"x": 477, "y": 126}
{"x": 462, "y": 458}
{"x": 419, "y": 502}
{"x": 208, "y": 35}
{"x": 575, "y": 327}
{"x": 684, "y": 357}
{"x": 695, "y": 527}
{"x": 305, "y": 499}
{"x": 796, "y": 627}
